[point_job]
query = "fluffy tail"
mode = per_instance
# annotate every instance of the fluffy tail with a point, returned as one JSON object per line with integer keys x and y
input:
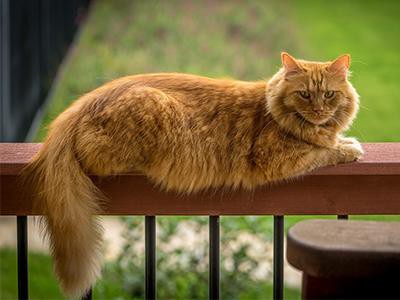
{"x": 69, "y": 200}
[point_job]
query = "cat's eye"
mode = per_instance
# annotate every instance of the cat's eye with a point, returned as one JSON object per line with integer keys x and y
{"x": 329, "y": 94}
{"x": 304, "y": 94}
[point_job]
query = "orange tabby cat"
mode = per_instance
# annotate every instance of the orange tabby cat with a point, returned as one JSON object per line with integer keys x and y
{"x": 186, "y": 133}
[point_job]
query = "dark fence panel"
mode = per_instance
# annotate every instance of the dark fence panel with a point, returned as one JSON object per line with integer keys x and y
{"x": 35, "y": 36}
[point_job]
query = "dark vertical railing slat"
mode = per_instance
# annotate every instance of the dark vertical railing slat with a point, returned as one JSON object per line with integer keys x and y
{"x": 214, "y": 253}
{"x": 278, "y": 257}
{"x": 150, "y": 249}
{"x": 22, "y": 249}
{"x": 88, "y": 296}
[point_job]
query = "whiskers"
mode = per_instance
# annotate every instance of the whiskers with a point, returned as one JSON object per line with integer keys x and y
{"x": 342, "y": 125}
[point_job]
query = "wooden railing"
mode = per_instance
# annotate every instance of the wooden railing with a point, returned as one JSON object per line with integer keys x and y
{"x": 369, "y": 186}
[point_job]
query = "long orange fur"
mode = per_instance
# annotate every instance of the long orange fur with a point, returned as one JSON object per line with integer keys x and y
{"x": 186, "y": 133}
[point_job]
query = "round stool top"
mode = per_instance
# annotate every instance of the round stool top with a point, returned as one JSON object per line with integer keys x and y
{"x": 340, "y": 248}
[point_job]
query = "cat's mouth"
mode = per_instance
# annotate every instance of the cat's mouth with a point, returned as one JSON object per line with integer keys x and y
{"x": 314, "y": 120}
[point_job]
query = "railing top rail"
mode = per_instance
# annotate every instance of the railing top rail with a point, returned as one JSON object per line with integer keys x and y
{"x": 369, "y": 186}
{"x": 379, "y": 159}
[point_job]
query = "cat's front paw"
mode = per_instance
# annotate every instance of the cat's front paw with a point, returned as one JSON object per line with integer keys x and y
{"x": 348, "y": 140}
{"x": 350, "y": 151}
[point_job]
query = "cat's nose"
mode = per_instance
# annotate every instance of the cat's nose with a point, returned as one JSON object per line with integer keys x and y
{"x": 318, "y": 109}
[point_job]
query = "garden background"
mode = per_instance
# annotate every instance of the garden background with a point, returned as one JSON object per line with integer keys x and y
{"x": 238, "y": 39}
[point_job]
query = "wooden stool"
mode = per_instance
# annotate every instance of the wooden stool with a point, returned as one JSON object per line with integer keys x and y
{"x": 346, "y": 259}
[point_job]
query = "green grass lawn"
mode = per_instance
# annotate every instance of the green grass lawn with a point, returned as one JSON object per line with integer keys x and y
{"x": 42, "y": 283}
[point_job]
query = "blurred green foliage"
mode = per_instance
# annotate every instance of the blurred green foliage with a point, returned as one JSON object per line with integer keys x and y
{"x": 182, "y": 258}
{"x": 177, "y": 278}
{"x": 42, "y": 283}
{"x": 227, "y": 39}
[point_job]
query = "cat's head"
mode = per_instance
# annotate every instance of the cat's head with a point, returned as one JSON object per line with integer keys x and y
{"x": 318, "y": 93}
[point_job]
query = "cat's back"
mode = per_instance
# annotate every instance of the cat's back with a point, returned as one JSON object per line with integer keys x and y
{"x": 181, "y": 81}
{"x": 186, "y": 86}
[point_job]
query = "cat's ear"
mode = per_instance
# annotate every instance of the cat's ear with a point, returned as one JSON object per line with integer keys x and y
{"x": 290, "y": 64}
{"x": 340, "y": 66}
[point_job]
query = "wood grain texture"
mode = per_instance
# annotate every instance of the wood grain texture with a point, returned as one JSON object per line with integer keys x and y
{"x": 370, "y": 186}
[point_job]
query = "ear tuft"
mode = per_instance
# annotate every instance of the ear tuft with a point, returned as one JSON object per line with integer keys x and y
{"x": 289, "y": 62}
{"x": 340, "y": 65}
